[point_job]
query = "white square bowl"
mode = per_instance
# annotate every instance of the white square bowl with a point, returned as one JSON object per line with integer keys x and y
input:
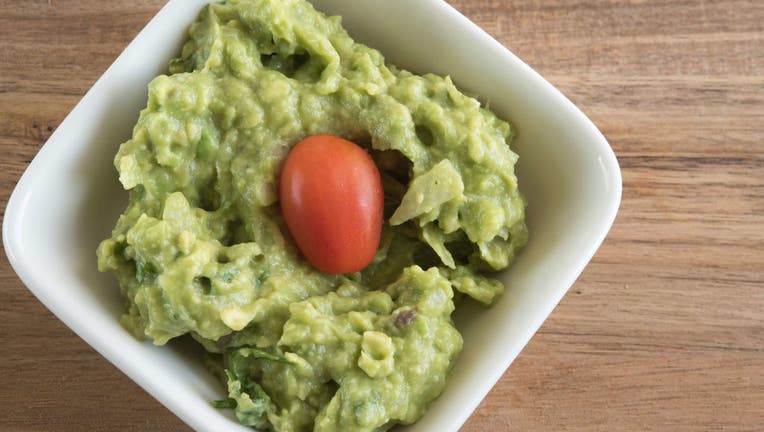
{"x": 69, "y": 199}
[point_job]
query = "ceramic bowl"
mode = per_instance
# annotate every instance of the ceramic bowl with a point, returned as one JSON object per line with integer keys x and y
{"x": 69, "y": 199}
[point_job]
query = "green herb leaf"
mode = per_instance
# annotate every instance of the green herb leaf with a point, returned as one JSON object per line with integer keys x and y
{"x": 227, "y": 403}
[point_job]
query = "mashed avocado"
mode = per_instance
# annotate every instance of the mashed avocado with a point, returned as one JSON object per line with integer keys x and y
{"x": 202, "y": 249}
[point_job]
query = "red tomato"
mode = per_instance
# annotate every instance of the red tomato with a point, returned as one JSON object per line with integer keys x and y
{"x": 332, "y": 200}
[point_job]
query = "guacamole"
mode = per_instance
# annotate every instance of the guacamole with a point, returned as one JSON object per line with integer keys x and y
{"x": 202, "y": 249}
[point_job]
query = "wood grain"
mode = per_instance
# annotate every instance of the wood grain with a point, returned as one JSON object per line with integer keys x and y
{"x": 665, "y": 328}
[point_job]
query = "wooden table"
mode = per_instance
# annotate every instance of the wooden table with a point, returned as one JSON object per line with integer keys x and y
{"x": 665, "y": 328}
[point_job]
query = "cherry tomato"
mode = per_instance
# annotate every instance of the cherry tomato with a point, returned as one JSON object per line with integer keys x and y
{"x": 332, "y": 200}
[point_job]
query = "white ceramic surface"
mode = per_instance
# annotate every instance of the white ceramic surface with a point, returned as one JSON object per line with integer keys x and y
{"x": 69, "y": 199}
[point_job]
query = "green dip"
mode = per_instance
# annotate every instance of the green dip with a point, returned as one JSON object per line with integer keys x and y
{"x": 202, "y": 249}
